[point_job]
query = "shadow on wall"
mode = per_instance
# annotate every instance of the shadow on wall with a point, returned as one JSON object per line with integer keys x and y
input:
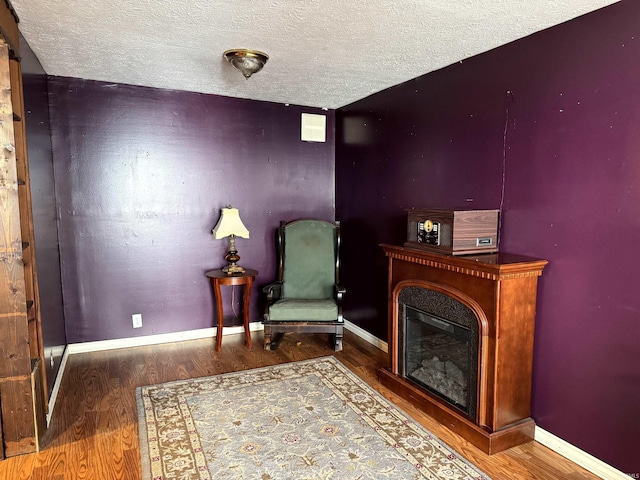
{"x": 365, "y": 303}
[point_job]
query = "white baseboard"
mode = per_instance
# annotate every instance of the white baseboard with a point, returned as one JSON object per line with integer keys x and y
{"x": 577, "y": 456}
{"x": 158, "y": 339}
{"x": 363, "y": 334}
{"x": 56, "y": 384}
{"x": 194, "y": 335}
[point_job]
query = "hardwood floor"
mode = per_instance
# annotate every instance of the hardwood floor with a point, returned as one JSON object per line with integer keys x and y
{"x": 94, "y": 430}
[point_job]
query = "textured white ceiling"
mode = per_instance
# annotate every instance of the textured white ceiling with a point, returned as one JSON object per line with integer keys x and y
{"x": 323, "y": 53}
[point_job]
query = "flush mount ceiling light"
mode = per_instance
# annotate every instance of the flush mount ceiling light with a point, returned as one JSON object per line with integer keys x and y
{"x": 247, "y": 61}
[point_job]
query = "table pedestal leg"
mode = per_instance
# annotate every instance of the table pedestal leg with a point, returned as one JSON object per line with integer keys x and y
{"x": 219, "y": 313}
{"x": 219, "y": 279}
{"x": 245, "y": 311}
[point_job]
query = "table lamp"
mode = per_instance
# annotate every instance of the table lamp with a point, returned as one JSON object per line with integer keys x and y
{"x": 230, "y": 225}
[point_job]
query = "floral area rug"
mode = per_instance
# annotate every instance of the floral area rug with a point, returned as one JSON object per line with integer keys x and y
{"x": 304, "y": 420}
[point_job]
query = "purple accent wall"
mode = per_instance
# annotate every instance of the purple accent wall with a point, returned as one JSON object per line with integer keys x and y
{"x": 141, "y": 175}
{"x": 43, "y": 200}
{"x": 545, "y": 128}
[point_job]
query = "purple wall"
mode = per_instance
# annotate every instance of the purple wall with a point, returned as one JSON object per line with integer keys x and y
{"x": 556, "y": 115}
{"x": 140, "y": 177}
{"x": 36, "y": 102}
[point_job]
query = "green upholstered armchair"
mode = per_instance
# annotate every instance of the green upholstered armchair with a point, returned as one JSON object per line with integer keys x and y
{"x": 307, "y": 295}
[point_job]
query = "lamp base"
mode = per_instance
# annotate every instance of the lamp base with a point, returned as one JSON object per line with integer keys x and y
{"x": 232, "y": 257}
{"x": 233, "y": 268}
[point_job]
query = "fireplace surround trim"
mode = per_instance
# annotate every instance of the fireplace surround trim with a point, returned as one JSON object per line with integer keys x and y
{"x": 452, "y": 306}
{"x": 466, "y": 300}
{"x": 483, "y": 324}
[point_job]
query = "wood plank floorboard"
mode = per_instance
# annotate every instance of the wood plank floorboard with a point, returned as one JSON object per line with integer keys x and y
{"x": 94, "y": 428}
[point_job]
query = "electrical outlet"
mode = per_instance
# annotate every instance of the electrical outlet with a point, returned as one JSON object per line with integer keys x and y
{"x": 136, "y": 319}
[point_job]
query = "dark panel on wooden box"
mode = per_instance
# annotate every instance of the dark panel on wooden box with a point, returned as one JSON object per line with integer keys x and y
{"x": 18, "y": 427}
{"x": 454, "y": 232}
{"x": 1, "y": 432}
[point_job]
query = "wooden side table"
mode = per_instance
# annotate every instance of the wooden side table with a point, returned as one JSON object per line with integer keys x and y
{"x": 218, "y": 277}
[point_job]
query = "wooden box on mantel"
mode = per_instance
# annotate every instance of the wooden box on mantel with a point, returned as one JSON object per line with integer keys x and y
{"x": 453, "y": 232}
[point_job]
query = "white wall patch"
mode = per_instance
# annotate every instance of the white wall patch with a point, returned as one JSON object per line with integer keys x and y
{"x": 313, "y": 128}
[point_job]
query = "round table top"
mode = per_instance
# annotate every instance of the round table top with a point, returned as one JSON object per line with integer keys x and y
{"x": 220, "y": 274}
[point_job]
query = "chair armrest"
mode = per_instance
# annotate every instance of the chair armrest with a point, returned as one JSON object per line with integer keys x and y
{"x": 340, "y": 291}
{"x": 273, "y": 291}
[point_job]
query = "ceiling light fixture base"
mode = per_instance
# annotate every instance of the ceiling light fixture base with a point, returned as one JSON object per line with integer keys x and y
{"x": 245, "y": 60}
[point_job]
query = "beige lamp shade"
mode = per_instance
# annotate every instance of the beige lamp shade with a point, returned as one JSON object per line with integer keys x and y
{"x": 229, "y": 224}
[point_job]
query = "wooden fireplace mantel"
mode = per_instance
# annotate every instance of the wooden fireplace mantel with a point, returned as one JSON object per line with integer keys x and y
{"x": 501, "y": 290}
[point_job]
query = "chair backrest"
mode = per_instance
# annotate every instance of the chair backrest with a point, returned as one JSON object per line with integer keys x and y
{"x": 308, "y": 258}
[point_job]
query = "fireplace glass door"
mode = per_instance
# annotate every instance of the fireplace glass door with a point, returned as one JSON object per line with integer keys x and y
{"x": 437, "y": 356}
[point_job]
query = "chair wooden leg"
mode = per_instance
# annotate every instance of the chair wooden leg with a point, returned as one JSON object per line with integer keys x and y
{"x": 277, "y": 339}
{"x": 267, "y": 336}
{"x": 337, "y": 339}
{"x": 337, "y": 344}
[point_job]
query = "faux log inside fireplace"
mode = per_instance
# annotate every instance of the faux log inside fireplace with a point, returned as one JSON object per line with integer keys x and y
{"x": 461, "y": 341}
